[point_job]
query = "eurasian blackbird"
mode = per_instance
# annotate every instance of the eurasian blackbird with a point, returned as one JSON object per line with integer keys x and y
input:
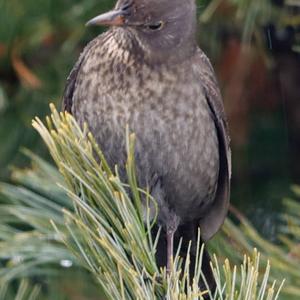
{"x": 148, "y": 72}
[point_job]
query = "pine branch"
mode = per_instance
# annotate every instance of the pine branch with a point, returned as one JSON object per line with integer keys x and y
{"x": 106, "y": 232}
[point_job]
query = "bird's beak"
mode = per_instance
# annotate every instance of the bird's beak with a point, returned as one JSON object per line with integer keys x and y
{"x": 112, "y": 18}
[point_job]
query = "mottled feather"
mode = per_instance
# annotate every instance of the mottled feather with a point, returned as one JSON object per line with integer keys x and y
{"x": 164, "y": 87}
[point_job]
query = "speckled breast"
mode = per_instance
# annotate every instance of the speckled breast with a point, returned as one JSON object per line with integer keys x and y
{"x": 165, "y": 106}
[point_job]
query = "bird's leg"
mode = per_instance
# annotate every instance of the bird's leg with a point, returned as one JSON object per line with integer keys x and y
{"x": 170, "y": 249}
{"x": 171, "y": 229}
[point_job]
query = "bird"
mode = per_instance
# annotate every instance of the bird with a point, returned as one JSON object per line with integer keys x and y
{"x": 148, "y": 73}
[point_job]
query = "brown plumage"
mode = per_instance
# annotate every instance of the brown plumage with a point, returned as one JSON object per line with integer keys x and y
{"x": 148, "y": 72}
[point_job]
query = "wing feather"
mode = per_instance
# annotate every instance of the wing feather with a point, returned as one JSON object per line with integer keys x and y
{"x": 70, "y": 87}
{"x": 216, "y": 215}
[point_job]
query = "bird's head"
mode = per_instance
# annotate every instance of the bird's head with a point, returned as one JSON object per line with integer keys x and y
{"x": 163, "y": 27}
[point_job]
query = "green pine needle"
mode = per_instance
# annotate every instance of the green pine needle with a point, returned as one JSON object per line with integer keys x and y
{"x": 107, "y": 234}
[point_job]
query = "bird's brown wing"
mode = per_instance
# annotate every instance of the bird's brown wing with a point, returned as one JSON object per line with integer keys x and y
{"x": 71, "y": 81}
{"x": 216, "y": 215}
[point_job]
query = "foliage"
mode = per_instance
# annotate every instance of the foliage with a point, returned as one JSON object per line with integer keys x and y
{"x": 99, "y": 228}
{"x": 25, "y": 291}
{"x": 237, "y": 240}
{"x": 39, "y": 43}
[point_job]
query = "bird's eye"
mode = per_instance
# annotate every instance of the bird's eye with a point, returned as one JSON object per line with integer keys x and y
{"x": 156, "y": 26}
{"x": 126, "y": 7}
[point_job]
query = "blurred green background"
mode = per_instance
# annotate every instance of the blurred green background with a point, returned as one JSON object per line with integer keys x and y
{"x": 254, "y": 46}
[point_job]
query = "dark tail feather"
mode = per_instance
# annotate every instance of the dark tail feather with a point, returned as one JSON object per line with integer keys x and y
{"x": 208, "y": 275}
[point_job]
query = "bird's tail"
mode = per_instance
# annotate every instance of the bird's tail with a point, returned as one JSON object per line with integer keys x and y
{"x": 208, "y": 282}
